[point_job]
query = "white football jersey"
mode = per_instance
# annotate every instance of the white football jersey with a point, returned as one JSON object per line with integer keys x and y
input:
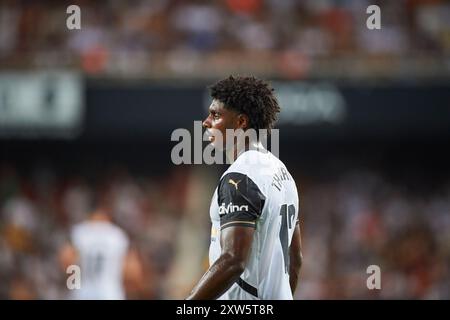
{"x": 102, "y": 248}
{"x": 257, "y": 191}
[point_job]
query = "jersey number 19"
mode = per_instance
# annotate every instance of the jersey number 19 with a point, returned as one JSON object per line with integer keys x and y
{"x": 287, "y": 213}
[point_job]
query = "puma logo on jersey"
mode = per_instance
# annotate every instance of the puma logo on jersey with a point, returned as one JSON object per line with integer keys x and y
{"x": 230, "y": 208}
{"x": 234, "y": 183}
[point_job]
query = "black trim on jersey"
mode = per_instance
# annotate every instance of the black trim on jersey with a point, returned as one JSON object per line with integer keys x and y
{"x": 247, "y": 287}
{"x": 240, "y": 201}
{"x": 249, "y": 224}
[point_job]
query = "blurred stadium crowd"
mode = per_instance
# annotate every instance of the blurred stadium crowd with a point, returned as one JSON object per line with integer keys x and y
{"x": 171, "y": 37}
{"x": 38, "y": 210}
{"x": 362, "y": 218}
{"x": 350, "y": 222}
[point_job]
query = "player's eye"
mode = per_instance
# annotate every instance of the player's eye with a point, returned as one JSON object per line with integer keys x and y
{"x": 215, "y": 115}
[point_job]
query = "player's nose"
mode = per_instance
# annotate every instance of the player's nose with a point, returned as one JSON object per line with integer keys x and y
{"x": 206, "y": 123}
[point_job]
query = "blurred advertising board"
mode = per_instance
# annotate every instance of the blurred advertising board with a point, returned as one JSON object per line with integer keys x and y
{"x": 41, "y": 104}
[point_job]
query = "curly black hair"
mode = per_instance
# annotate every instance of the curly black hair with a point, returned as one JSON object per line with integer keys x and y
{"x": 250, "y": 96}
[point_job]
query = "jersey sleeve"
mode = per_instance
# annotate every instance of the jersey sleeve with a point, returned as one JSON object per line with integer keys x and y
{"x": 240, "y": 201}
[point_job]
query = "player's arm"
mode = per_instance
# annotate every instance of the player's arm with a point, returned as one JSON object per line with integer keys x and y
{"x": 236, "y": 236}
{"x": 236, "y": 244}
{"x": 133, "y": 272}
{"x": 295, "y": 258}
{"x": 67, "y": 255}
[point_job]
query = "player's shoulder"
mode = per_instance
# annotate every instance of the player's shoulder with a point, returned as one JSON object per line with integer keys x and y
{"x": 99, "y": 228}
{"x": 113, "y": 230}
{"x": 80, "y": 227}
{"x": 78, "y": 232}
{"x": 119, "y": 232}
{"x": 255, "y": 166}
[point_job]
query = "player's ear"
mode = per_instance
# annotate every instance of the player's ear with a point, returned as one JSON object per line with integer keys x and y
{"x": 243, "y": 121}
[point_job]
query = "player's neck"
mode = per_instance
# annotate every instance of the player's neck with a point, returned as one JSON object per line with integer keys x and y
{"x": 100, "y": 216}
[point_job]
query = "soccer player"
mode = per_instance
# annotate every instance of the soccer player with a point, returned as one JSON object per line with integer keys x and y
{"x": 101, "y": 249}
{"x": 255, "y": 249}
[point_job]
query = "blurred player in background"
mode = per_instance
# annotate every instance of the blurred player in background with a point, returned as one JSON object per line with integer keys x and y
{"x": 102, "y": 251}
{"x": 255, "y": 250}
